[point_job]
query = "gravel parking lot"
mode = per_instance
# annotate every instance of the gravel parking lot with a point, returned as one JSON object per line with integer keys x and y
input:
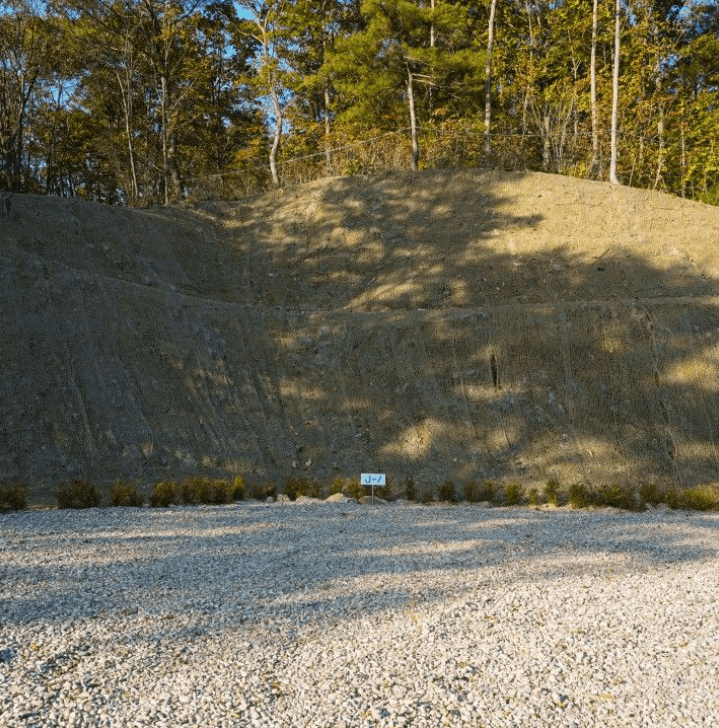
{"x": 344, "y": 615}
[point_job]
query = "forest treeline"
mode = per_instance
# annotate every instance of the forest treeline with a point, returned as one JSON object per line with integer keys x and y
{"x": 142, "y": 102}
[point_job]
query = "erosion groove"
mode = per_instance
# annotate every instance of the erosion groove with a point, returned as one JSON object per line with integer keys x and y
{"x": 457, "y": 325}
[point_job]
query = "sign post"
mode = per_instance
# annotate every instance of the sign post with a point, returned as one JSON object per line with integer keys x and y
{"x": 372, "y": 479}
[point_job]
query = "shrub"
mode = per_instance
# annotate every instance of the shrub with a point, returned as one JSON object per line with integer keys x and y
{"x": 651, "y": 493}
{"x": 513, "y": 494}
{"x": 579, "y": 495}
{"x": 354, "y": 489}
{"x": 13, "y": 497}
{"x": 471, "y": 492}
{"x": 126, "y": 494}
{"x": 447, "y": 492}
{"x": 551, "y": 492}
{"x": 699, "y": 498}
{"x": 409, "y": 491}
{"x": 426, "y": 496}
{"x": 164, "y": 494}
{"x": 217, "y": 492}
{"x": 263, "y": 491}
{"x": 295, "y": 487}
{"x": 238, "y": 488}
{"x": 78, "y": 494}
{"x": 337, "y": 485}
{"x": 533, "y": 496}
{"x": 617, "y": 496}
{"x": 488, "y": 490}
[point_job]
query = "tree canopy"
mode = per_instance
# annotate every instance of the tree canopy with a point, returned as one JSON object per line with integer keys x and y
{"x": 147, "y": 101}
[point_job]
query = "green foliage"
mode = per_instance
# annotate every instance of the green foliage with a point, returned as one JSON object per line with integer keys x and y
{"x": 410, "y": 492}
{"x": 238, "y": 488}
{"x": 651, "y": 493}
{"x": 471, "y": 492}
{"x": 208, "y": 491}
{"x": 551, "y": 492}
{"x": 426, "y": 496}
{"x": 580, "y": 496}
{"x": 78, "y": 494}
{"x": 263, "y": 491}
{"x": 513, "y": 494}
{"x": 295, "y": 487}
{"x": 700, "y": 498}
{"x": 533, "y": 496}
{"x": 447, "y": 492}
{"x": 126, "y": 494}
{"x": 164, "y": 494}
{"x": 13, "y": 497}
{"x": 617, "y": 495}
{"x": 355, "y": 489}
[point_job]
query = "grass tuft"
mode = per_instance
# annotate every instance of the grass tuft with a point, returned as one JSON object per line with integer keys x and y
{"x": 410, "y": 493}
{"x": 551, "y": 492}
{"x": 447, "y": 492}
{"x": 164, "y": 494}
{"x": 78, "y": 494}
{"x": 13, "y": 497}
{"x": 513, "y": 494}
{"x": 126, "y": 494}
{"x": 295, "y": 487}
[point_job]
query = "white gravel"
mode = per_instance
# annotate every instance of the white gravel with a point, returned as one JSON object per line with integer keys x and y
{"x": 346, "y": 615}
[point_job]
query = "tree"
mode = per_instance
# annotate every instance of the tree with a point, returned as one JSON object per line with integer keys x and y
{"x": 615, "y": 92}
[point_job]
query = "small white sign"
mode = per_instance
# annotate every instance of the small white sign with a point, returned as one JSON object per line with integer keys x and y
{"x": 372, "y": 479}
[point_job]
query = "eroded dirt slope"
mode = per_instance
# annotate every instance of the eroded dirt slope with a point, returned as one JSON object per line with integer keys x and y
{"x": 456, "y": 325}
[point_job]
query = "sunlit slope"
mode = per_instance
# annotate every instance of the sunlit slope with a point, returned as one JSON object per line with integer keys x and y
{"x": 442, "y": 326}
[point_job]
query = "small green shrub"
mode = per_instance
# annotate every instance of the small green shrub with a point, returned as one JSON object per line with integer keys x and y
{"x": 126, "y": 494}
{"x": 533, "y": 496}
{"x": 617, "y": 496}
{"x": 295, "y": 487}
{"x": 471, "y": 492}
{"x": 426, "y": 496}
{"x": 337, "y": 485}
{"x": 78, "y": 494}
{"x": 447, "y": 492}
{"x": 513, "y": 494}
{"x": 551, "y": 492}
{"x": 579, "y": 495}
{"x": 488, "y": 491}
{"x": 238, "y": 488}
{"x": 13, "y": 497}
{"x": 164, "y": 494}
{"x": 651, "y": 493}
{"x": 699, "y": 498}
{"x": 409, "y": 490}
{"x": 356, "y": 490}
{"x": 263, "y": 491}
{"x": 671, "y": 495}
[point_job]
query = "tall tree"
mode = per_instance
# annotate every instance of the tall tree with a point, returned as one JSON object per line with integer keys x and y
{"x": 615, "y": 92}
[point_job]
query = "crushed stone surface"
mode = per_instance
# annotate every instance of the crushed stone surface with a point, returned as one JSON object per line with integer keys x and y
{"x": 342, "y": 615}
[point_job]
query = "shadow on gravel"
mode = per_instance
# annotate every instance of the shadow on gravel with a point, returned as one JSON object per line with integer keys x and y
{"x": 227, "y": 567}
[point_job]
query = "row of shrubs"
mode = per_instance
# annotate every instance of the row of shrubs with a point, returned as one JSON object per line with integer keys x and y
{"x": 203, "y": 490}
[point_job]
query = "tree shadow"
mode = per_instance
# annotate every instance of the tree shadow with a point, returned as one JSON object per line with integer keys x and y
{"x": 232, "y": 567}
{"x": 455, "y": 326}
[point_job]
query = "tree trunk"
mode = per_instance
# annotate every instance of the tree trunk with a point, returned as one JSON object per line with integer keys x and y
{"x": 328, "y": 130}
{"x": 530, "y": 73}
{"x": 593, "y": 93}
{"x": 413, "y": 122}
{"x": 163, "y": 113}
{"x": 127, "y": 110}
{"x": 615, "y": 93}
{"x": 488, "y": 82}
{"x": 279, "y": 120}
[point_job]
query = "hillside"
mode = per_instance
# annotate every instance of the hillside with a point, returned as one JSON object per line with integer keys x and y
{"x": 456, "y": 325}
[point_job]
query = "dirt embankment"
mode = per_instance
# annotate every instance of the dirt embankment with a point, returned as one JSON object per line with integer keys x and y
{"x": 456, "y": 325}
